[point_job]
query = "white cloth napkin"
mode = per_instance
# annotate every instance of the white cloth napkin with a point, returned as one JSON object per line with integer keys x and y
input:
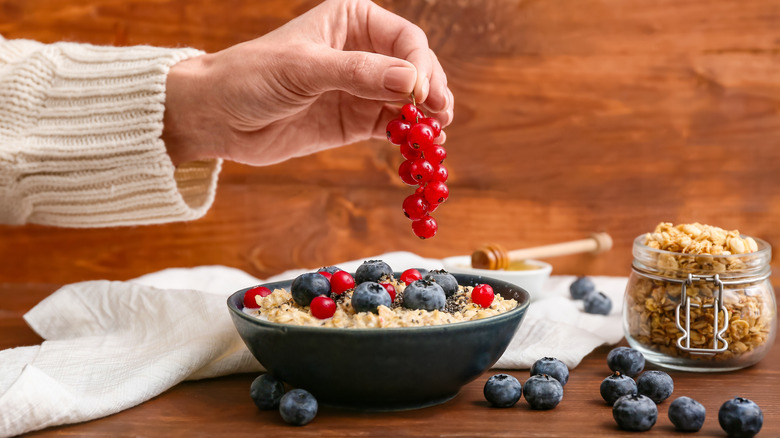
{"x": 113, "y": 345}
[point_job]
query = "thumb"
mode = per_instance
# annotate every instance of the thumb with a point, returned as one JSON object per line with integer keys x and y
{"x": 364, "y": 74}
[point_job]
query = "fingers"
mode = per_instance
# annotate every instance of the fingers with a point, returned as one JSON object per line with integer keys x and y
{"x": 392, "y": 35}
{"x": 362, "y": 74}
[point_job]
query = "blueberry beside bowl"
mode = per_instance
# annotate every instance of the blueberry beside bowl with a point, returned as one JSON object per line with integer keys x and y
{"x": 382, "y": 369}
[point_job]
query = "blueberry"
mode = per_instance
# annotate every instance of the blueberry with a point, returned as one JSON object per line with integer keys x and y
{"x": 543, "y": 392}
{"x": 581, "y": 288}
{"x": 598, "y": 304}
{"x": 298, "y": 407}
{"x": 307, "y": 286}
{"x": 634, "y": 412}
{"x": 424, "y": 295}
{"x": 740, "y": 417}
{"x": 368, "y": 296}
{"x": 444, "y": 279}
{"x": 266, "y": 390}
{"x": 372, "y": 270}
{"x": 553, "y": 368}
{"x": 626, "y": 361}
{"x": 616, "y": 386}
{"x": 502, "y": 390}
{"x": 687, "y": 414}
{"x": 329, "y": 269}
{"x": 655, "y": 384}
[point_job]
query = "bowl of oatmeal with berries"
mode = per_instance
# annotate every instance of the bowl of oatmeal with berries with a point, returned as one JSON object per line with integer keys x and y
{"x": 377, "y": 339}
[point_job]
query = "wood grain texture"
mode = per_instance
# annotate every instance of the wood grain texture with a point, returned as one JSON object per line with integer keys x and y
{"x": 571, "y": 117}
{"x": 221, "y": 406}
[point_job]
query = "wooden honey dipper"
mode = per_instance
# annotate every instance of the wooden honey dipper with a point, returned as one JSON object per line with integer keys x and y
{"x": 493, "y": 256}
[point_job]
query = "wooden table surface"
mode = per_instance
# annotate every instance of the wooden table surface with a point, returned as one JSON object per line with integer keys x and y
{"x": 220, "y": 406}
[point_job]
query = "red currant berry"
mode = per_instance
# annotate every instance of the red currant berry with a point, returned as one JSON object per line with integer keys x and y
{"x": 405, "y": 172}
{"x": 425, "y": 228}
{"x": 434, "y": 124}
{"x": 250, "y": 296}
{"x": 482, "y": 295}
{"x": 409, "y": 152}
{"x": 419, "y": 190}
{"x": 326, "y": 274}
{"x": 421, "y": 170}
{"x": 432, "y": 208}
{"x": 411, "y": 113}
{"x": 390, "y": 290}
{"x": 340, "y": 282}
{"x": 410, "y": 275}
{"x": 436, "y": 192}
{"x": 435, "y": 153}
{"x": 397, "y": 131}
{"x": 440, "y": 173}
{"x": 322, "y": 307}
{"x": 420, "y": 136}
{"x": 415, "y": 207}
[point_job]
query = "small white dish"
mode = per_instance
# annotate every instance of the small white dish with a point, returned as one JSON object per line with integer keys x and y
{"x": 532, "y": 280}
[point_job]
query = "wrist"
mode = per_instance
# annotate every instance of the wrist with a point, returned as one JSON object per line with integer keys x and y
{"x": 185, "y": 122}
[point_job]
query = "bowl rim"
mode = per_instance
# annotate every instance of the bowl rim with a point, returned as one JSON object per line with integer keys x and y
{"x": 461, "y": 325}
{"x": 452, "y": 263}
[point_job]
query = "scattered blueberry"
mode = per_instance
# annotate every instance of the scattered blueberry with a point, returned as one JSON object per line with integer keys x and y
{"x": 553, "y": 368}
{"x": 266, "y": 390}
{"x": 502, "y": 390}
{"x": 372, "y": 270}
{"x": 616, "y": 386}
{"x": 740, "y": 417}
{"x": 307, "y": 286}
{"x": 687, "y": 414}
{"x": 634, "y": 412}
{"x": 655, "y": 384}
{"x": 368, "y": 296}
{"x": 581, "y": 288}
{"x": 543, "y": 392}
{"x": 425, "y": 295}
{"x": 444, "y": 279}
{"x": 598, "y": 304}
{"x": 329, "y": 269}
{"x": 626, "y": 361}
{"x": 298, "y": 407}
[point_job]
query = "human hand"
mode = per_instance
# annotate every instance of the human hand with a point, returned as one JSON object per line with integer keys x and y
{"x": 323, "y": 80}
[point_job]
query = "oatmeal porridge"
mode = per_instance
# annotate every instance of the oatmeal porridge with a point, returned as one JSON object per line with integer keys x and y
{"x": 280, "y": 307}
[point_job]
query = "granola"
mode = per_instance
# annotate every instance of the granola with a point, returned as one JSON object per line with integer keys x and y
{"x": 704, "y": 250}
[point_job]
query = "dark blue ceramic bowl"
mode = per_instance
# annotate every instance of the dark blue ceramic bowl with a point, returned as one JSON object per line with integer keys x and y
{"x": 382, "y": 369}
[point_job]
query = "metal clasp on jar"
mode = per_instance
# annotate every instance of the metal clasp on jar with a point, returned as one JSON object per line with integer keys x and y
{"x": 718, "y": 343}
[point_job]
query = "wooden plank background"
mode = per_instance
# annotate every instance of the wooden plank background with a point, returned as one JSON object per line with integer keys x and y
{"x": 572, "y": 116}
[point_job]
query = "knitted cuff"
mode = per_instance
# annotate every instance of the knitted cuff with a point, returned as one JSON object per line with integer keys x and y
{"x": 80, "y": 144}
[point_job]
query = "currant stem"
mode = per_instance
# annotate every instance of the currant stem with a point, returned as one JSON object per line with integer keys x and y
{"x": 414, "y": 102}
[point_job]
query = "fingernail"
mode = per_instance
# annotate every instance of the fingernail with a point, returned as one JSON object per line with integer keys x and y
{"x": 399, "y": 79}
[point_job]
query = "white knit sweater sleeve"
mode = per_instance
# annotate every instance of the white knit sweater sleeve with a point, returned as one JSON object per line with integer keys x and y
{"x": 80, "y": 138}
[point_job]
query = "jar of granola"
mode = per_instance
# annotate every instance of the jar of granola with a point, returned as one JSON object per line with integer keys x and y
{"x": 699, "y": 298}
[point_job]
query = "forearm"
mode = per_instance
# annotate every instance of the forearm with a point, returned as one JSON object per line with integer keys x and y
{"x": 80, "y": 138}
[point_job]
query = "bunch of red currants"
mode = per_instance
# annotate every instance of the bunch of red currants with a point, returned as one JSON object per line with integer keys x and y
{"x": 423, "y": 167}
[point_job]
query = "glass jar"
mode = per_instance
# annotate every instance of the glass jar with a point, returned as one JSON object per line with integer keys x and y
{"x": 700, "y": 312}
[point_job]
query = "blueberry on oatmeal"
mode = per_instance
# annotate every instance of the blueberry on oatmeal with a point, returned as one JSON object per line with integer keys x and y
{"x": 444, "y": 279}
{"x": 329, "y": 269}
{"x": 372, "y": 270}
{"x": 368, "y": 296}
{"x": 424, "y": 295}
{"x": 307, "y": 286}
